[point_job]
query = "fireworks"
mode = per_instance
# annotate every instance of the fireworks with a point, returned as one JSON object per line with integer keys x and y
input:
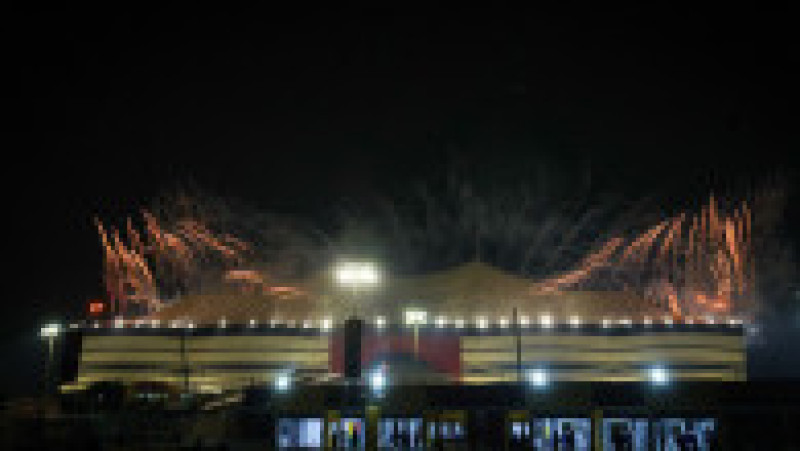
{"x": 692, "y": 264}
{"x": 689, "y": 264}
{"x": 135, "y": 264}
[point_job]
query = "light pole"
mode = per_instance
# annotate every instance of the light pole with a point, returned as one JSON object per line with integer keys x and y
{"x": 416, "y": 318}
{"x": 356, "y": 275}
{"x": 49, "y": 332}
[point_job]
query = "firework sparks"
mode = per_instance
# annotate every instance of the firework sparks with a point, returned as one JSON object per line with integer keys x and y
{"x": 700, "y": 264}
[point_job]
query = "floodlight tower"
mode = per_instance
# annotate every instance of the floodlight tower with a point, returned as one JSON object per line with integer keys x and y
{"x": 49, "y": 332}
{"x": 416, "y": 317}
{"x": 356, "y": 276}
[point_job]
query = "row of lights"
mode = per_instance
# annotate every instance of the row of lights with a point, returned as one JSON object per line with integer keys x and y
{"x": 481, "y": 322}
{"x": 656, "y": 375}
{"x": 537, "y": 377}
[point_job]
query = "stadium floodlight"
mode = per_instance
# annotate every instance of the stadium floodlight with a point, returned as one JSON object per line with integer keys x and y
{"x": 415, "y": 317}
{"x": 575, "y": 321}
{"x": 659, "y": 375}
{"x": 283, "y": 382}
{"x": 51, "y": 330}
{"x": 546, "y": 320}
{"x": 537, "y": 377}
{"x": 357, "y": 274}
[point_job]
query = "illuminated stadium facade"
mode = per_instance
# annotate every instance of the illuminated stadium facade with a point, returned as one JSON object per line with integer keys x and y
{"x": 472, "y": 324}
{"x": 462, "y": 359}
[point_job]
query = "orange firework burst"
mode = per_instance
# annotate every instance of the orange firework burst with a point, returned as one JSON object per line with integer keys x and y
{"x": 133, "y": 264}
{"x": 700, "y": 264}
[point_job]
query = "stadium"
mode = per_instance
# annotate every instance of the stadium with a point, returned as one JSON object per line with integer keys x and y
{"x": 471, "y": 356}
{"x": 462, "y": 325}
{"x": 459, "y": 332}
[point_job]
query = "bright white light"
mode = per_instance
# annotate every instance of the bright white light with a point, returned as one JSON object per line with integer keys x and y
{"x": 626, "y": 322}
{"x": 659, "y": 375}
{"x": 119, "y": 323}
{"x": 326, "y": 324}
{"x": 503, "y": 322}
{"x": 173, "y": 324}
{"x": 252, "y": 323}
{"x": 441, "y": 321}
{"x": 190, "y": 325}
{"x": 710, "y": 320}
{"x": 357, "y": 274}
{"x": 606, "y": 323}
{"x": 688, "y": 320}
{"x": 416, "y": 317}
{"x": 459, "y": 323}
{"x": 482, "y": 322}
{"x": 154, "y": 323}
{"x": 524, "y": 321}
{"x": 138, "y": 323}
{"x": 537, "y": 377}
{"x": 647, "y": 321}
{"x": 274, "y": 322}
{"x": 223, "y": 323}
{"x": 380, "y": 322}
{"x": 50, "y": 330}
{"x": 291, "y": 323}
{"x": 575, "y": 321}
{"x": 307, "y": 324}
{"x": 546, "y": 320}
{"x": 668, "y": 320}
{"x": 282, "y": 382}
{"x": 377, "y": 380}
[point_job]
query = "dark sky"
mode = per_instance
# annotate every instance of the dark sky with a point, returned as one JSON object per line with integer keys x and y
{"x": 290, "y": 111}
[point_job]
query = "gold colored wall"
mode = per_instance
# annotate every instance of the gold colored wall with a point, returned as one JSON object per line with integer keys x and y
{"x": 687, "y": 355}
{"x": 208, "y": 363}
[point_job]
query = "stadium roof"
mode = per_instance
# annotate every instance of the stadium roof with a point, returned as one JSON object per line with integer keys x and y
{"x": 473, "y": 288}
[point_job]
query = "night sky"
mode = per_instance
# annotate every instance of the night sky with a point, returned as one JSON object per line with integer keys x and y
{"x": 293, "y": 111}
